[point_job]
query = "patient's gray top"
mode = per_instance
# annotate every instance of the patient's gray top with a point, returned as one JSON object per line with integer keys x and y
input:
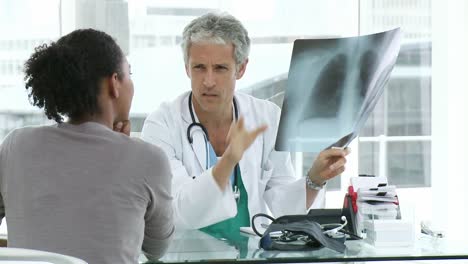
{"x": 85, "y": 191}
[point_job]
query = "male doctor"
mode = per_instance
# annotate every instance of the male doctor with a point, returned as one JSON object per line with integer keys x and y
{"x": 220, "y": 142}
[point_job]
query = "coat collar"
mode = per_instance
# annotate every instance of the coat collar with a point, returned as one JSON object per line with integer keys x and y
{"x": 199, "y": 144}
{"x": 185, "y": 112}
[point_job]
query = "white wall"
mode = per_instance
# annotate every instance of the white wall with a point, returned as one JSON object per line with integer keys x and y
{"x": 450, "y": 111}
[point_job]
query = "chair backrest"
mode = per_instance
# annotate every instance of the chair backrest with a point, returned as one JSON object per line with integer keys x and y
{"x": 21, "y": 255}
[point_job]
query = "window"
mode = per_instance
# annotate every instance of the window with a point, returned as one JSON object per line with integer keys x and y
{"x": 150, "y": 34}
{"x": 396, "y": 141}
{"x": 16, "y": 45}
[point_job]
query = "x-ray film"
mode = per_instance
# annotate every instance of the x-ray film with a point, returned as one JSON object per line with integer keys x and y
{"x": 333, "y": 86}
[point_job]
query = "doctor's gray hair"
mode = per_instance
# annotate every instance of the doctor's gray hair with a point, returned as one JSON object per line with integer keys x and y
{"x": 217, "y": 28}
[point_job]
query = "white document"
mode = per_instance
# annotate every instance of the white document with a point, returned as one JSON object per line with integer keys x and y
{"x": 368, "y": 182}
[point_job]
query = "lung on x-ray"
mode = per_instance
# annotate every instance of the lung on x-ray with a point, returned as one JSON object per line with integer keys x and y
{"x": 333, "y": 86}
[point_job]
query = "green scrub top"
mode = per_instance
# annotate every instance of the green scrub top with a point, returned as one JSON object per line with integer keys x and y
{"x": 230, "y": 228}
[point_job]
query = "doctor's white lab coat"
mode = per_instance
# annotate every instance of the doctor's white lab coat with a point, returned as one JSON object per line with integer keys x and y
{"x": 268, "y": 175}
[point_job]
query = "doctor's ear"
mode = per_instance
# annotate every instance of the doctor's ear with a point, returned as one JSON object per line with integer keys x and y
{"x": 187, "y": 70}
{"x": 241, "y": 69}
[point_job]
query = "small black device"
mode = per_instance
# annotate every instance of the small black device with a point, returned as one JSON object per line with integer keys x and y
{"x": 333, "y": 216}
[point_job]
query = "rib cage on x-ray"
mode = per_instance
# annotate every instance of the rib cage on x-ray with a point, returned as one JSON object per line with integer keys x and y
{"x": 333, "y": 85}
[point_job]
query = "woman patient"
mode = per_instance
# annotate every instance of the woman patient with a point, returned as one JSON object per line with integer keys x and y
{"x": 82, "y": 187}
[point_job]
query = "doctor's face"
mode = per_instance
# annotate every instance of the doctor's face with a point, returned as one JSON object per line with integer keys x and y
{"x": 212, "y": 70}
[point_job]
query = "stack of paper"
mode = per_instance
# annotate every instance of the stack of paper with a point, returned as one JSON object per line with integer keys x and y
{"x": 375, "y": 199}
{"x": 377, "y": 203}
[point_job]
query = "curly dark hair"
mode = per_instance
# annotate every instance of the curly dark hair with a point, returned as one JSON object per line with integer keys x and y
{"x": 63, "y": 77}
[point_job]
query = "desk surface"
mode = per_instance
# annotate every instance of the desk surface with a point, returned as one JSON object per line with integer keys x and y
{"x": 195, "y": 246}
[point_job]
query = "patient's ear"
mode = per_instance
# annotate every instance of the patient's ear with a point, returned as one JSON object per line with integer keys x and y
{"x": 113, "y": 86}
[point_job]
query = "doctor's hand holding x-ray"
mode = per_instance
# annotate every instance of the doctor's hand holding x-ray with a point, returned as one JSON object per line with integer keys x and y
{"x": 220, "y": 142}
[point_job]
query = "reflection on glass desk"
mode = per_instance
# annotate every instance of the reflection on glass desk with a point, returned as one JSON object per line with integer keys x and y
{"x": 195, "y": 246}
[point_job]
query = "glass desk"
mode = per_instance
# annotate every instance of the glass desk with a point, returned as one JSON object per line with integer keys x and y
{"x": 195, "y": 246}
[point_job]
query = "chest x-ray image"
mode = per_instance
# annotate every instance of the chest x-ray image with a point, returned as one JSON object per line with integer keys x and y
{"x": 333, "y": 86}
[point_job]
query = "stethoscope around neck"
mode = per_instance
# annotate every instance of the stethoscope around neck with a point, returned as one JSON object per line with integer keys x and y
{"x": 195, "y": 124}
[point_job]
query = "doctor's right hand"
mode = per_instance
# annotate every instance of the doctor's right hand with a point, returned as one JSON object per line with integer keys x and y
{"x": 238, "y": 140}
